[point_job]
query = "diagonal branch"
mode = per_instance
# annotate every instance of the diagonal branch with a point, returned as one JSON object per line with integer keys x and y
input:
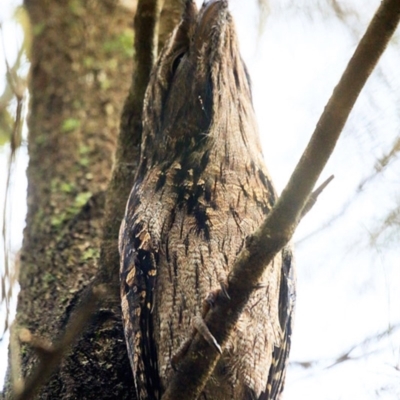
{"x": 280, "y": 224}
{"x": 50, "y": 356}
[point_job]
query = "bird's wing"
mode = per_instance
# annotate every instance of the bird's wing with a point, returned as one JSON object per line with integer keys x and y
{"x": 280, "y": 356}
{"x": 138, "y": 272}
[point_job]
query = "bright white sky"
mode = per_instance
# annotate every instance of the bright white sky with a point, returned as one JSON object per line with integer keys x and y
{"x": 348, "y": 289}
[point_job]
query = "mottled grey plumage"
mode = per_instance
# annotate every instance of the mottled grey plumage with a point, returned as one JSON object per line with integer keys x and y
{"x": 201, "y": 188}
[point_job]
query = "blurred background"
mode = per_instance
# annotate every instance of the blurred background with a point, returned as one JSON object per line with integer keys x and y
{"x": 346, "y": 342}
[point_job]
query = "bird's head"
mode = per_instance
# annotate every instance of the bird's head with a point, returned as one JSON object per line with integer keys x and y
{"x": 199, "y": 90}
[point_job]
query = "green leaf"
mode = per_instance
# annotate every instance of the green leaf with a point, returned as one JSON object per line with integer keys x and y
{"x": 82, "y": 198}
{"x": 70, "y": 124}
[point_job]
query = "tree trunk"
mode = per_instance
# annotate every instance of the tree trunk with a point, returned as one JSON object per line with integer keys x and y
{"x": 80, "y": 76}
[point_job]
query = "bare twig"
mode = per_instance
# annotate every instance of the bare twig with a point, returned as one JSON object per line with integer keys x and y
{"x": 15, "y": 359}
{"x": 170, "y": 16}
{"x": 50, "y": 356}
{"x": 17, "y": 87}
{"x": 314, "y": 196}
{"x": 280, "y": 224}
{"x": 346, "y": 355}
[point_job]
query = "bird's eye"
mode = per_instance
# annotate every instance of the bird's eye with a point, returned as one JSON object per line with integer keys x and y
{"x": 176, "y": 62}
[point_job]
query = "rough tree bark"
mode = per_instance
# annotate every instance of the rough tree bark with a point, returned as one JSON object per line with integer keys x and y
{"x": 80, "y": 76}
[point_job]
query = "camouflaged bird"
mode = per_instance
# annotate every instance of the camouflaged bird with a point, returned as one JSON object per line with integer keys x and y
{"x": 201, "y": 189}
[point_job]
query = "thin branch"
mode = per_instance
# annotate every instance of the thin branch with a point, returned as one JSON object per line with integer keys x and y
{"x": 278, "y": 228}
{"x": 17, "y": 86}
{"x": 380, "y": 165}
{"x": 314, "y": 196}
{"x": 50, "y": 356}
{"x": 170, "y": 16}
{"x": 346, "y": 355}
